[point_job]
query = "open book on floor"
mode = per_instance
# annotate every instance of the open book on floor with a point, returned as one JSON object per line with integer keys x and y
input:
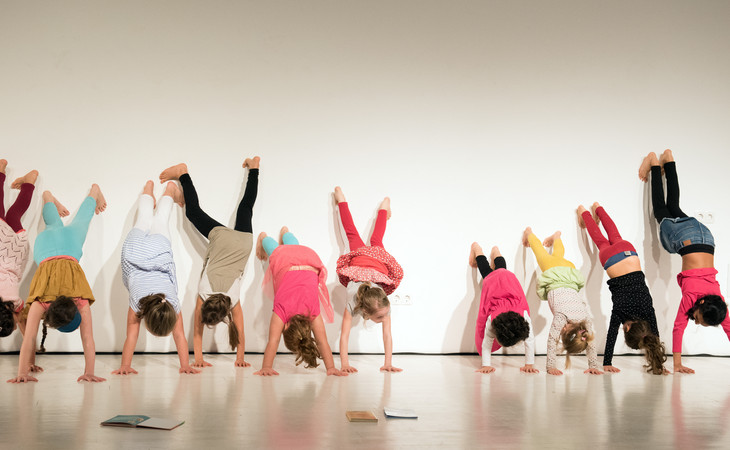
{"x": 139, "y": 421}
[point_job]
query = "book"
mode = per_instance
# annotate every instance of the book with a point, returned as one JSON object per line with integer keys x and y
{"x": 361, "y": 416}
{"x": 399, "y": 413}
{"x": 139, "y": 421}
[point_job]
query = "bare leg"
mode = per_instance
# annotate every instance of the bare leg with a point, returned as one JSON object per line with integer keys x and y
{"x": 173, "y": 173}
{"x": 339, "y": 196}
{"x": 645, "y": 168}
{"x": 476, "y": 250}
{"x": 49, "y": 198}
{"x": 252, "y": 163}
{"x": 96, "y": 194}
{"x": 260, "y": 252}
{"x": 29, "y": 177}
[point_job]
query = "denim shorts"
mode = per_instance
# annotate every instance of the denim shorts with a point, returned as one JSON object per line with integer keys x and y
{"x": 683, "y": 231}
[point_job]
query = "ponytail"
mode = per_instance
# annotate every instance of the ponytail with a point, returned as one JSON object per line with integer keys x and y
{"x": 369, "y": 299}
{"x": 232, "y": 331}
{"x": 640, "y": 337}
{"x": 43, "y": 339}
{"x": 298, "y": 338}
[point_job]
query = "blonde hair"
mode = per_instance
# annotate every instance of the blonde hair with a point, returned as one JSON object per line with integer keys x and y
{"x": 575, "y": 338}
{"x": 369, "y": 299}
{"x": 299, "y": 339}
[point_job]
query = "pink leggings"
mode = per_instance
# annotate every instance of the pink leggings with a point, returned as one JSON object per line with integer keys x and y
{"x": 612, "y": 246}
{"x": 353, "y": 237}
{"x": 20, "y": 206}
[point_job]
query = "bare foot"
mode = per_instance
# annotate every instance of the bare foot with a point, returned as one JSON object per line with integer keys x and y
{"x": 96, "y": 194}
{"x": 49, "y": 198}
{"x": 525, "y": 235}
{"x": 260, "y": 252}
{"x": 645, "y": 167}
{"x": 339, "y": 195}
{"x": 173, "y": 173}
{"x": 149, "y": 189}
{"x": 594, "y": 207}
{"x": 494, "y": 255}
{"x": 284, "y": 230}
{"x": 385, "y": 204}
{"x": 666, "y": 157}
{"x": 548, "y": 242}
{"x": 475, "y": 251}
{"x": 252, "y": 163}
{"x": 3, "y": 165}
{"x": 581, "y": 209}
{"x": 173, "y": 191}
{"x": 29, "y": 177}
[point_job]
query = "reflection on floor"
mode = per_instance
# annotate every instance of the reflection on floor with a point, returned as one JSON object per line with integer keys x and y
{"x": 226, "y": 407}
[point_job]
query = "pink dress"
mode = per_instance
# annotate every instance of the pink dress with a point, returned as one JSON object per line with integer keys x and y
{"x": 501, "y": 292}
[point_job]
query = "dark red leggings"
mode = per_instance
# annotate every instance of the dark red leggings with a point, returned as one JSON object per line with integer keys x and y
{"x": 606, "y": 247}
{"x": 353, "y": 237}
{"x": 20, "y": 206}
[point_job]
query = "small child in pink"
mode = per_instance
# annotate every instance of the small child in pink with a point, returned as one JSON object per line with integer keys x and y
{"x": 296, "y": 280}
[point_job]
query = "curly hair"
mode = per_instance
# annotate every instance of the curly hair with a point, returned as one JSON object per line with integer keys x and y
{"x": 7, "y": 322}
{"x": 712, "y": 308}
{"x": 510, "y": 328}
{"x": 575, "y": 338}
{"x": 640, "y": 337}
{"x": 216, "y": 309}
{"x": 159, "y": 315}
{"x": 61, "y": 312}
{"x": 299, "y": 339}
{"x": 369, "y": 299}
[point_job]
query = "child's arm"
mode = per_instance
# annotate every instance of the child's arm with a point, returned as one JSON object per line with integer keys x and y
{"x": 388, "y": 346}
{"x": 344, "y": 341}
{"x": 529, "y": 349}
{"x": 21, "y": 327}
{"x": 198, "y": 335}
{"x": 87, "y": 341}
{"x": 129, "y": 343}
{"x": 593, "y": 366}
{"x": 559, "y": 321}
{"x": 487, "y": 343}
{"x": 183, "y": 352}
{"x": 28, "y": 347}
{"x": 324, "y": 347}
{"x": 613, "y": 326}
{"x": 276, "y": 327}
{"x": 237, "y": 313}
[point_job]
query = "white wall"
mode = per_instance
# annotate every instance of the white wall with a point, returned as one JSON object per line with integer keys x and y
{"x": 477, "y": 118}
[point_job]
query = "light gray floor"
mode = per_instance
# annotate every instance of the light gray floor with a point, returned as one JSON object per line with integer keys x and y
{"x": 227, "y": 407}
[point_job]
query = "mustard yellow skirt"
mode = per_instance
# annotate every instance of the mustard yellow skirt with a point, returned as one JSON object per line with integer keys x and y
{"x": 58, "y": 277}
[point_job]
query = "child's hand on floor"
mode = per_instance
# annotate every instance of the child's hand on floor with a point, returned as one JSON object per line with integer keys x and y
{"x": 594, "y": 371}
{"x": 486, "y": 369}
{"x": 23, "y": 379}
{"x": 124, "y": 370}
{"x": 350, "y": 369}
{"x": 188, "y": 369}
{"x": 528, "y": 368}
{"x": 554, "y": 372}
{"x": 34, "y": 368}
{"x": 683, "y": 369}
{"x": 241, "y": 363}
{"x": 266, "y": 372}
{"x": 91, "y": 378}
{"x": 390, "y": 369}
{"x": 611, "y": 369}
{"x": 338, "y": 373}
{"x": 201, "y": 363}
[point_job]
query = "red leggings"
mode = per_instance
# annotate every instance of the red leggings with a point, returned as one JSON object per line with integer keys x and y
{"x": 606, "y": 247}
{"x": 353, "y": 237}
{"x": 20, "y": 206}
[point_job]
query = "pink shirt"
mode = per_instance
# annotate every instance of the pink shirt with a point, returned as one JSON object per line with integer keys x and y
{"x": 694, "y": 283}
{"x": 298, "y": 293}
{"x": 501, "y": 292}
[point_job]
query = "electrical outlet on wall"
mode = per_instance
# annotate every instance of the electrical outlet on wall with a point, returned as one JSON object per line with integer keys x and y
{"x": 401, "y": 299}
{"x": 705, "y": 216}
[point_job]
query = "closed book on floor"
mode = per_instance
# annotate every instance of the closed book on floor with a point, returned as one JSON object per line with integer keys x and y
{"x": 399, "y": 413}
{"x": 361, "y": 416}
{"x": 139, "y": 421}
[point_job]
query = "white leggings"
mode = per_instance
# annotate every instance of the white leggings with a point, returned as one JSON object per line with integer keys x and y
{"x": 150, "y": 222}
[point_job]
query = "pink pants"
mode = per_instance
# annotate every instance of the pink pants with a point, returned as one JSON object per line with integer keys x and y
{"x": 606, "y": 247}
{"x": 353, "y": 237}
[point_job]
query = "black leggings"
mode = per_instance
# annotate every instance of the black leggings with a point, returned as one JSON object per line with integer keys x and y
{"x": 203, "y": 222}
{"x": 669, "y": 209}
{"x": 485, "y": 269}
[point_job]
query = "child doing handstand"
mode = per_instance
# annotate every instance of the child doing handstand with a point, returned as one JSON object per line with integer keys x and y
{"x": 504, "y": 315}
{"x": 632, "y": 302}
{"x": 559, "y": 284}
{"x": 701, "y": 298}
{"x": 59, "y": 293}
{"x": 14, "y": 248}
{"x": 296, "y": 280}
{"x": 370, "y": 274}
{"x": 148, "y": 272}
{"x": 219, "y": 290}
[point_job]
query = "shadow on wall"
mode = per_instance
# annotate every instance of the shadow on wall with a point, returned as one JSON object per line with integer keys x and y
{"x": 109, "y": 294}
{"x": 592, "y": 270}
{"x": 458, "y": 333}
{"x": 530, "y": 286}
{"x": 195, "y": 245}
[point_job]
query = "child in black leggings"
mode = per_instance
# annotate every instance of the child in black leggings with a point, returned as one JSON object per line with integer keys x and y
{"x": 225, "y": 261}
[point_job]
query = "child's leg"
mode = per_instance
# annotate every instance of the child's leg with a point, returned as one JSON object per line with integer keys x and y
{"x": 269, "y": 244}
{"x": 289, "y": 239}
{"x": 2, "y": 188}
{"x": 353, "y": 237}
{"x": 200, "y": 220}
{"x": 593, "y": 230}
{"x": 51, "y": 215}
{"x": 657, "y": 194}
{"x": 613, "y": 235}
{"x": 483, "y": 266}
{"x": 376, "y": 239}
{"x": 670, "y": 172}
{"x": 19, "y": 207}
{"x": 145, "y": 211}
{"x": 160, "y": 223}
{"x": 544, "y": 259}
{"x": 79, "y": 226}
{"x": 245, "y": 208}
